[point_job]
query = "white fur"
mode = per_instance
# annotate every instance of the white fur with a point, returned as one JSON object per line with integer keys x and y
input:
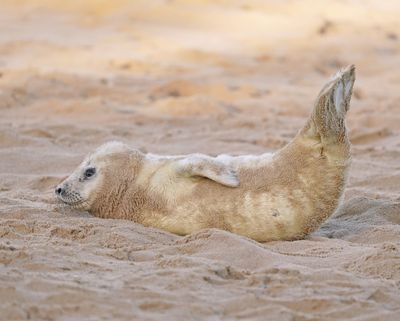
{"x": 111, "y": 147}
{"x": 343, "y": 83}
{"x": 339, "y": 97}
{"x": 209, "y": 167}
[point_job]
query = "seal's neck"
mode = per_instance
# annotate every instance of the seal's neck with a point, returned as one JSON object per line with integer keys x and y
{"x": 110, "y": 197}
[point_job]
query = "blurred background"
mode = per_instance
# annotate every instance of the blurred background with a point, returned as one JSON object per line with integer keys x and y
{"x": 194, "y": 76}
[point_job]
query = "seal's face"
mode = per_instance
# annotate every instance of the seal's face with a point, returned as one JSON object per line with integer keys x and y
{"x": 82, "y": 187}
{"x": 79, "y": 188}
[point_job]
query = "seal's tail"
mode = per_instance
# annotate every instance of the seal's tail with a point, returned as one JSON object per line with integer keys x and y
{"x": 326, "y": 124}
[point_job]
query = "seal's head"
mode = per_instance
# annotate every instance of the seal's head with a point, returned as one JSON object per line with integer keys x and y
{"x": 90, "y": 180}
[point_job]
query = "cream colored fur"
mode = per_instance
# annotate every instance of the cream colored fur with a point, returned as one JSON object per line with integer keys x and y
{"x": 280, "y": 196}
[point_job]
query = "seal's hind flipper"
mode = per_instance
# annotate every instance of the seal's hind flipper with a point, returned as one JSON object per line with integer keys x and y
{"x": 339, "y": 90}
{"x": 326, "y": 123}
{"x": 207, "y": 167}
{"x": 343, "y": 89}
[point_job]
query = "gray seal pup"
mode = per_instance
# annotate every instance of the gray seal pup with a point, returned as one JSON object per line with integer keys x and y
{"x": 280, "y": 196}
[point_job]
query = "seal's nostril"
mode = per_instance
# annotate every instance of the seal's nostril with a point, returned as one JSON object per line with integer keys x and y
{"x": 58, "y": 190}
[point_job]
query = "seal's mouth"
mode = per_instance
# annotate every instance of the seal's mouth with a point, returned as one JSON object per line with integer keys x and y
{"x": 71, "y": 203}
{"x": 73, "y": 199}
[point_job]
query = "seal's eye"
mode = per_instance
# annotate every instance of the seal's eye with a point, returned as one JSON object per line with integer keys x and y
{"x": 89, "y": 172}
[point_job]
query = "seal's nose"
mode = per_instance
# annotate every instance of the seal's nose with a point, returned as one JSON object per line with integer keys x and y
{"x": 59, "y": 190}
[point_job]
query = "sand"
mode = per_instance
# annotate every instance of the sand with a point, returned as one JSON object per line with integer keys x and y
{"x": 193, "y": 76}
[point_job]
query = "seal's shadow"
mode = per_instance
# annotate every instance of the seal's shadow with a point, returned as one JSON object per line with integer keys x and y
{"x": 358, "y": 215}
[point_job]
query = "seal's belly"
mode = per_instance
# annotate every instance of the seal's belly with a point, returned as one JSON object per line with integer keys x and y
{"x": 260, "y": 216}
{"x": 271, "y": 211}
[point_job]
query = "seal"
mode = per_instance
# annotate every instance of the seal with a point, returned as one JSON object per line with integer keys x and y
{"x": 280, "y": 196}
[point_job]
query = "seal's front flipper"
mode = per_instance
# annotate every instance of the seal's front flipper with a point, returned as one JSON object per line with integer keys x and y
{"x": 207, "y": 167}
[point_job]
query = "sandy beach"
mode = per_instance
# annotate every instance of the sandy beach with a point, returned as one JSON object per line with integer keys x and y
{"x": 177, "y": 77}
